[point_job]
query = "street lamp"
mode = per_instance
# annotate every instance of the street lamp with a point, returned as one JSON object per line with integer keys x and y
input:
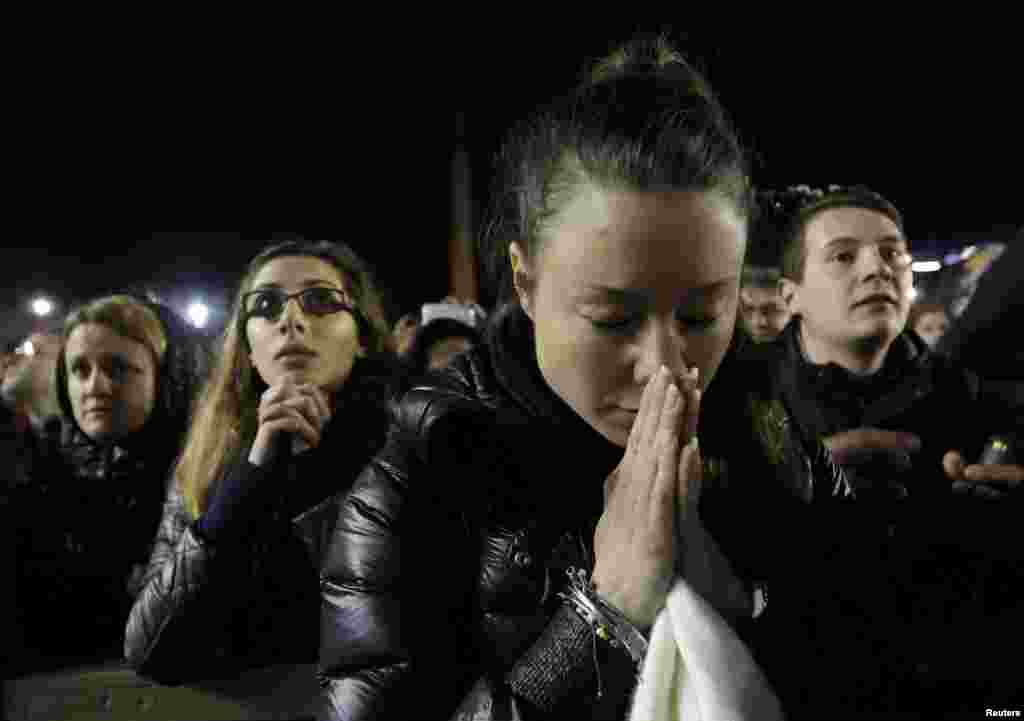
{"x": 198, "y": 313}
{"x": 42, "y": 307}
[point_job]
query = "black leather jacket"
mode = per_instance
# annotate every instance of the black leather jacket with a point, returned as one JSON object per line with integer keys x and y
{"x": 440, "y": 587}
{"x": 210, "y": 610}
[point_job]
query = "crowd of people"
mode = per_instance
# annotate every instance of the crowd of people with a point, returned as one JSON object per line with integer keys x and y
{"x": 479, "y": 513}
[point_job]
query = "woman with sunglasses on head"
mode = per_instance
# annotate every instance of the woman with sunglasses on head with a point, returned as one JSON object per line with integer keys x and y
{"x": 294, "y": 408}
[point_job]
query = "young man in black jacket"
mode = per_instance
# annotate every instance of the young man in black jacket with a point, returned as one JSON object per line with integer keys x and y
{"x": 928, "y": 565}
{"x": 857, "y": 378}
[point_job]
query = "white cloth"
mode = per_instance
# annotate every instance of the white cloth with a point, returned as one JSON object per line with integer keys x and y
{"x": 697, "y": 668}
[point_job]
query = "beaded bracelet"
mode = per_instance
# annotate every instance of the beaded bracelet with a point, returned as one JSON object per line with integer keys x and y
{"x": 607, "y": 622}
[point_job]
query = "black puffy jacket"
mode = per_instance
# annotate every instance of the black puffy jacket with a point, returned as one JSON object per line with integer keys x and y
{"x": 82, "y": 522}
{"x": 209, "y": 610}
{"x": 440, "y": 587}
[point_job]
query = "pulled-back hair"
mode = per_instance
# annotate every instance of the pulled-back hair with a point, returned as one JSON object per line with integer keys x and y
{"x": 809, "y": 203}
{"x": 643, "y": 120}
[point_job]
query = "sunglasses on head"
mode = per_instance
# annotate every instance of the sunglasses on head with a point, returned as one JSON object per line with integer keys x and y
{"x": 269, "y": 303}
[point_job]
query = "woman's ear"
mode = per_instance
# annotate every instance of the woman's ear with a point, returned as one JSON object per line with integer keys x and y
{"x": 522, "y": 278}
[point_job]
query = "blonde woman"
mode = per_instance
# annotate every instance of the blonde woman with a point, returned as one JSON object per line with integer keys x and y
{"x": 293, "y": 409}
{"x": 84, "y": 521}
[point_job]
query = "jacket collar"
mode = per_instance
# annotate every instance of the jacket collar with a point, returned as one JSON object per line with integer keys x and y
{"x": 904, "y": 377}
{"x": 510, "y": 345}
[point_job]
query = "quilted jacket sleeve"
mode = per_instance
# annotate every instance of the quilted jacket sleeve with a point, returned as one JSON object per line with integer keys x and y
{"x": 208, "y": 611}
{"x": 391, "y": 599}
{"x": 399, "y": 625}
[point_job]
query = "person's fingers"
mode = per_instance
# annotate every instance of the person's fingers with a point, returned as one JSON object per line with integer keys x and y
{"x": 860, "y": 444}
{"x": 646, "y": 421}
{"x": 319, "y": 398}
{"x": 953, "y": 465}
{"x": 877, "y": 438}
{"x": 282, "y": 419}
{"x": 273, "y": 394}
{"x": 692, "y": 414}
{"x": 1004, "y": 474}
{"x": 690, "y": 479}
{"x": 663, "y": 486}
{"x": 307, "y": 406}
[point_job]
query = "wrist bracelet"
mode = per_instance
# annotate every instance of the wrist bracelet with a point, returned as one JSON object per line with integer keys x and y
{"x": 607, "y": 622}
{"x": 760, "y": 599}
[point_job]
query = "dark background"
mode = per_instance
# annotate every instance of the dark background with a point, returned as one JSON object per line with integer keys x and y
{"x": 355, "y": 141}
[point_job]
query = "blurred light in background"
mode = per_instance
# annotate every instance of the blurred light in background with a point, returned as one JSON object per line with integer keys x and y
{"x": 26, "y": 348}
{"x": 968, "y": 252}
{"x": 198, "y": 313}
{"x": 42, "y": 307}
{"x": 926, "y": 266}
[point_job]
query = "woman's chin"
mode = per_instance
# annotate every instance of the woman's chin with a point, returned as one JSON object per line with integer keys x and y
{"x": 615, "y": 433}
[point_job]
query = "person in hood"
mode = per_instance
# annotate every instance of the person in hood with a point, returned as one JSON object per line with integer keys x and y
{"x": 294, "y": 408}
{"x": 82, "y": 524}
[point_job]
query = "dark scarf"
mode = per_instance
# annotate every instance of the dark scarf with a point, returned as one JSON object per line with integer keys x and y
{"x": 848, "y": 394}
{"x": 560, "y": 451}
{"x": 354, "y": 434}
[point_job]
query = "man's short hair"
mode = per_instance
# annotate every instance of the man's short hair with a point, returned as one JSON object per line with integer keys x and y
{"x": 809, "y": 203}
{"x": 760, "y": 277}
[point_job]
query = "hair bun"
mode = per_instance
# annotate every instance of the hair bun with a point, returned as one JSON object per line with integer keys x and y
{"x": 647, "y": 54}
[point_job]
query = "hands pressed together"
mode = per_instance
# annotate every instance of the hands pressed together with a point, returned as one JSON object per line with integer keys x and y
{"x": 650, "y": 500}
{"x": 292, "y": 407}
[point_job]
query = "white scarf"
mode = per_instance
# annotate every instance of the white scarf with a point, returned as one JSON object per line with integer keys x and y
{"x": 697, "y": 668}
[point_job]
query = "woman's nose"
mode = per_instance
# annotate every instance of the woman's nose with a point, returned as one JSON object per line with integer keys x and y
{"x": 98, "y": 383}
{"x": 663, "y": 345}
{"x": 292, "y": 317}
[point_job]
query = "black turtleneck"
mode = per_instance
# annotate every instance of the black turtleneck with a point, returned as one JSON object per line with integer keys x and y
{"x": 554, "y": 425}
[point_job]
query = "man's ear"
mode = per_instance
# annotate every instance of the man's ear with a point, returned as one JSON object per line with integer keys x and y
{"x": 522, "y": 279}
{"x": 790, "y": 293}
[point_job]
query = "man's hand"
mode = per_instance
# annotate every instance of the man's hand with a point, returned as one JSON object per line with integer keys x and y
{"x": 987, "y": 481}
{"x": 870, "y": 445}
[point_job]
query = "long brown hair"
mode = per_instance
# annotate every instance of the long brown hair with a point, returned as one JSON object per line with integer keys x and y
{"x": 225, "y": 420}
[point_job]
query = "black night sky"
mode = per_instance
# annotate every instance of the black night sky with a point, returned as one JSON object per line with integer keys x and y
{"x": 928, "y": 116}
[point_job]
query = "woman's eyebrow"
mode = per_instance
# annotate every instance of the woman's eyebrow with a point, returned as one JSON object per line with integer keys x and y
{"x": 627, "y": 295}
{"x": 618, "y": 295}
{"x": 309, "y": 282}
